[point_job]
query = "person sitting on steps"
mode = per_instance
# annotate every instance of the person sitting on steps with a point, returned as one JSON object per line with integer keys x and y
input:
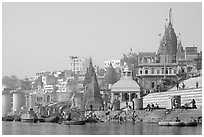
{"x": 177, "y": 119}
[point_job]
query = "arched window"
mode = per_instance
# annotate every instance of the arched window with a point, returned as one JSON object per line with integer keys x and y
{"x": 153, "y": 60}
{"x": 158, "y": 71}
{"x": 140, "y": 59}
{"x": 149, "y": 60}
{"x": 140, "y": 71}
{"x": 152, "y": 70}
{"x": 166, "y": 70}
{"x": 145, "y": 60}
{"x": 146, "y": 71}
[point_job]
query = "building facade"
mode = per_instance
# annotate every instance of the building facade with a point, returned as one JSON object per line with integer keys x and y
{"x": 78, "y": 64}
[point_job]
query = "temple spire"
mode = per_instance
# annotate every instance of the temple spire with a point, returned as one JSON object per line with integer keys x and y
{"x": 170, "y": 17}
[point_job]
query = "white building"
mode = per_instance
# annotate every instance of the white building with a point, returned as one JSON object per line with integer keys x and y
{"x": 115, "y": 63}
{"x": 42, "y": 73}
{"x": 62, "y": 85}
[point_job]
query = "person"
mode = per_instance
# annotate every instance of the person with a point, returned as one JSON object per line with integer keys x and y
{"x": 152, "y": 105}
{"x": 193, "y": 103}
{"x": 157, "y": 106}
{"x": 69, "y": 117}
{"x": 176, "y": 103}
{"x": 196, "y": 84}
{"x": 148, "y": 107}
{"x": 177, "y": 86}
{"x": 91, "y": 107}
{"x": 183, "y": 85}
{"x": 177, "y": 119}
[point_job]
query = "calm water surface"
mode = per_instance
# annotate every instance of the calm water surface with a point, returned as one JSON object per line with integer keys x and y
{"x": 23, "y": 128}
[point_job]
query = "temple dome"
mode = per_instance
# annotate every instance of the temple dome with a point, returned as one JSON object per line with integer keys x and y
{"x": 110, "y": 75}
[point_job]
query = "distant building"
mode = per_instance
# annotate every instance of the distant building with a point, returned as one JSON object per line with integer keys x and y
{"x": 115, "y": 63}
{"x": 62, "y": 85}
{"x": 198, "y": 61}
{"x": 49, "y": 79}
{"x": 78, "y": 64}
{"x": 42, "y": 73}
{"x": 191, "y": 53}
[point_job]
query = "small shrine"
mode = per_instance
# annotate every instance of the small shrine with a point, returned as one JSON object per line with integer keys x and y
{"x": 127, "y": 91}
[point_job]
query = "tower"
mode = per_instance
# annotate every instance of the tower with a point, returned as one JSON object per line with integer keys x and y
{"x": 168, "y": 44}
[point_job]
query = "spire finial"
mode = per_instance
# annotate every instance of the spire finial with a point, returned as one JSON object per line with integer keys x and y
{"x": 111, "y": 64}
{"x": 170, "y": 16}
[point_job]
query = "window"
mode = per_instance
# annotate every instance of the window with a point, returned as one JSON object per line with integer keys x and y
{"x": 48, "y": 98}
{"x": 128, "y": 73}
{"x": 140, "y": 71}
{"x": 158, "y": 72}
{"x": 152, "y": 70}
{"x": 145, "y": 60}
{"x": 146, "y": 71}
{"x": 153, "y": 60}
{"x": 166, "y": 70}
{"x": 174, "y": 71}
{"x": 140, "y": 60}
{"x": 123, "y": 73}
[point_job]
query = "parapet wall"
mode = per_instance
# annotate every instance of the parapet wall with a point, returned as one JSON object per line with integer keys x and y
{"x": 162, "y": 98}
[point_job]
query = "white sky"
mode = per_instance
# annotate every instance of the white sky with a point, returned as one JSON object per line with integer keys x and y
{"x": 42, "y": 36}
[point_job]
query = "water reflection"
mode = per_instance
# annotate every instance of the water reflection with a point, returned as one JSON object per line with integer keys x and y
{"x": 23, "y": 128}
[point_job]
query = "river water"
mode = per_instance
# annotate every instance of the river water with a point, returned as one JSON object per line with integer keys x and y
{"x": 109, "y": 128}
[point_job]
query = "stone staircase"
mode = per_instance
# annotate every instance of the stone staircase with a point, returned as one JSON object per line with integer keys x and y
{"x": 163, "y": 98}
{"x": 190, "y": 92}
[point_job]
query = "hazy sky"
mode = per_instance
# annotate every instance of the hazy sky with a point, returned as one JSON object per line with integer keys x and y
{"x": 42, "y": 36}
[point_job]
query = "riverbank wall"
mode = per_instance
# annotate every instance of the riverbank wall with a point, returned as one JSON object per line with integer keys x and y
{"x": 156, "y": 115}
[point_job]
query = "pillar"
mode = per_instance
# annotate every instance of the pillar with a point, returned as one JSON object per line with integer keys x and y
{"x": 112, "y": 97}
{"x": 129, "y": 95}
{"x": 6, "y": 103}
{"x": 121, "y": 97}
{"x": 18, "y": 100}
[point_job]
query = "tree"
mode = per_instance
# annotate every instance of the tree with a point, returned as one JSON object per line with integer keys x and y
{"x": 131, "y": 61}
{"x": 11, "y": 82}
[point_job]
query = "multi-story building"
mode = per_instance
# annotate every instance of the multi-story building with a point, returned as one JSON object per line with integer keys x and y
{"x": 150, "y": 72}
{"x": 42, "y": 73}
{"x": 198, "y": 61}
{"x": 191, "y": 53}
{"x": 78, "y": 64}
{"x": 168, "y": 62}
{"x": 62, "y": 86}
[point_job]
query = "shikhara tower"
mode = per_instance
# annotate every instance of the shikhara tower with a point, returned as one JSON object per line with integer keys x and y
{"x": 168, "y": 44}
